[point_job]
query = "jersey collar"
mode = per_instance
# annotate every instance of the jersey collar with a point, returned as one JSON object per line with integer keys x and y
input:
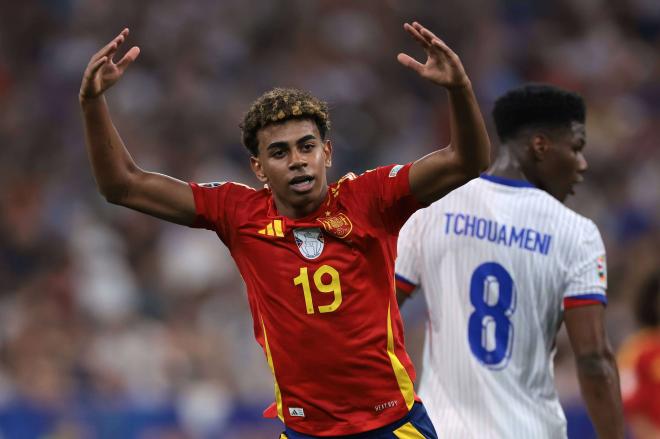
{"x": 507, "y": 181}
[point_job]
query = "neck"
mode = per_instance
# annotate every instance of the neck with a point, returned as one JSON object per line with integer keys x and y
{"x": 507, "y": 165}
{"x": 301, "y": 210}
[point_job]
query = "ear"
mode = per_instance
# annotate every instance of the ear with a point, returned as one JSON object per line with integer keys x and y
{"x": 258, "y": 170}
{"x": 539, "y": 143}
{"x": 327, "y": 151}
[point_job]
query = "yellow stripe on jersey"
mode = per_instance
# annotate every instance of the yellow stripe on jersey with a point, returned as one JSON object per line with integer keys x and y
{"x": 283, "y": 436}
{"x": 402, "y": 377}
{"x": 278, "y": 395}
{"x": 278, "y": 228}
{"x": 408, "y": 431}
{"x": 269, "y": 230}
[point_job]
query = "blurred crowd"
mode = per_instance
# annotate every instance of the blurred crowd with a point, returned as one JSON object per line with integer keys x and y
{"x": 114, "y": 324}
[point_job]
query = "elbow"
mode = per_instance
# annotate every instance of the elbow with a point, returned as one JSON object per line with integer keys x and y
{"x": 599, "y": 364}
{"x": 117, "y": 189}
{"x": 113, "y": 194}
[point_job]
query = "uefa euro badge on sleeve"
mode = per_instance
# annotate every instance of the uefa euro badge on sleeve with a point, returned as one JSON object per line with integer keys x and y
{"x": 309, "y": 241}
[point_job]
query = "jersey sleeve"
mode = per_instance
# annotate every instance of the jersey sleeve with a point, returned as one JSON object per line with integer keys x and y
{"x": 408, "y": 261}
{"x": 216, "y": 206}
{"x": 587, "y": 280}
{"x": 386, "y": 190}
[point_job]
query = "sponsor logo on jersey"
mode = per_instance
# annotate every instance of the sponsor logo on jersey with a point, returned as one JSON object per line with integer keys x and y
{"x": 309, "y": 241}
{"x": 395, "y": 170}
{"x": 274, "y": 228}
{"x": 338, "y": 225}
{"x": 386, "y": 405}
{"x": 297, "y": 411}
{"x": 212, "y": 184}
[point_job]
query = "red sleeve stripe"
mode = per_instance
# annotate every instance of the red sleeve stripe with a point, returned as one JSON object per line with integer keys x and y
{"x": 404, "y": 284}
{"x": 585, "y": 300}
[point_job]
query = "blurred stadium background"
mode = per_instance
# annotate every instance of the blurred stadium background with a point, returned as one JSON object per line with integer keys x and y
{"x": 116, "y": 325}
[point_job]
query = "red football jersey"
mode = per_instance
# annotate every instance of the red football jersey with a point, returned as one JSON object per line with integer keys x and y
{"x": 321, "y": 293}
{"x": 640, "y": 374}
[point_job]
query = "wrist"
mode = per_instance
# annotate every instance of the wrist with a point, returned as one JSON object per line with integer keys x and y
{"x": 461, "y": 86}
{"x": 85, "y": 100}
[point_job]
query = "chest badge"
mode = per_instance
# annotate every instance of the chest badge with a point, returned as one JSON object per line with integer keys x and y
{"x": 309, "y": 241}
{"x": 338, "y": 225}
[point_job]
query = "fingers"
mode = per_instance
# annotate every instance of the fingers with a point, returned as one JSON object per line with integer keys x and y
{"x": 128, "y": 58}
{"x": 417, "y": 36}
{"x": 432, "y": 40}
{"x": 110, "y": 48}
{"x": 410, "y": 62}
{"x": 94, "y": 67}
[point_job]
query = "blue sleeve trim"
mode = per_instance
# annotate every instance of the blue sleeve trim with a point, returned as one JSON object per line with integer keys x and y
{"x": 593, "y": 296}
{"x": 404, "y": 280}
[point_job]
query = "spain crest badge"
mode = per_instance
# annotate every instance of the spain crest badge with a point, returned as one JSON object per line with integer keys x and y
{"x": 338, "y": 225}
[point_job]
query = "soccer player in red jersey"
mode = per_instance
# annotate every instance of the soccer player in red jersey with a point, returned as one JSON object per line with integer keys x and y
{"x": 639, "y": 360}
{"x": 317, "y": 259}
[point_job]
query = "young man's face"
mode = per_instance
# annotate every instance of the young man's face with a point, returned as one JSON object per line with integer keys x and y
{"x": 292, "y": 160}
{"x": 562, "y": 163}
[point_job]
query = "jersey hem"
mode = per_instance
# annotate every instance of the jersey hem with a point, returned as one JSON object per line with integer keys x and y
{"x": 320, "y": 430}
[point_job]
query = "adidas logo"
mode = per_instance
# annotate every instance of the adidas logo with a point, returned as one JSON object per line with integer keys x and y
{"x": 273, "y": 229}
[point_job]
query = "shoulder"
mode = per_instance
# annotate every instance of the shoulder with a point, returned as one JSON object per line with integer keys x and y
{"x": 228, "y": 193}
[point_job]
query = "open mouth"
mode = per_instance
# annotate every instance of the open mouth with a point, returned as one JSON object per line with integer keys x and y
{"x": 302, "y": 183}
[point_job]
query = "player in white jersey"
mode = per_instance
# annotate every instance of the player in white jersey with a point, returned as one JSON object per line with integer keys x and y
{"x": 502, "y": 262}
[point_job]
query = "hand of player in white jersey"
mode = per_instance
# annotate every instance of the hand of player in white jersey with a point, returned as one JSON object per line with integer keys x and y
{"x": 102, "y": 71}
{"x": 442, "y": 66}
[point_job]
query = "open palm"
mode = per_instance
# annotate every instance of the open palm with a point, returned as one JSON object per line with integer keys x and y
{"x": 102, "y": 71}
{"x": 442, "y": 66}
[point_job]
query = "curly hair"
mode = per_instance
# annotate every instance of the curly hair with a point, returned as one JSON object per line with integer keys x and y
{"x": 536, "y": 105}
{"x": 280, "y": 105}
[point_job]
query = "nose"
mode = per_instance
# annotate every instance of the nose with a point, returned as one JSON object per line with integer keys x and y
{"x": 582, "y": 163}
{"x": 297, "y": 159}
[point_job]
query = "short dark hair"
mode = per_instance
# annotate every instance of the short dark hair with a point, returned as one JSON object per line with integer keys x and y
{"x": 280, "y": 105}
{"x": 647, "y": 303}
{"x": 536, "y": 105}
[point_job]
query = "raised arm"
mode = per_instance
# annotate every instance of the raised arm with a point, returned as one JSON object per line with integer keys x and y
{"x": 468, "y": 154}
{"x": 118, "y": 177}
{"x": 596, "y": 368}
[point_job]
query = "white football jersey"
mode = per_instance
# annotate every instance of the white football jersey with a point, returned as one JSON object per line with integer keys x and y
{"x": 498, "y": 261}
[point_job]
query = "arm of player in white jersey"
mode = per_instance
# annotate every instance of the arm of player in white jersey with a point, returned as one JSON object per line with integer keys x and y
{"x": 596, "y": 368}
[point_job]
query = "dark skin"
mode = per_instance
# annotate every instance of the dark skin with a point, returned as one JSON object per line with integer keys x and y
{"x": 552, "y": 159}
{"x": 286, "y": 150}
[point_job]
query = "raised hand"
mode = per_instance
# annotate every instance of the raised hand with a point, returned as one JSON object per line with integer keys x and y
{"x": 442, "y": 66}
{"x": 102, "y": 71}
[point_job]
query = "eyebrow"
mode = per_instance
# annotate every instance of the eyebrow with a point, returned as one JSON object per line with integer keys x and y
{"x": 283, "y": 144}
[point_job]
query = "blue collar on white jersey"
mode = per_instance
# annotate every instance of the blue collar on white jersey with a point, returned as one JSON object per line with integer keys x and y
{"x": 507, "y": 181}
